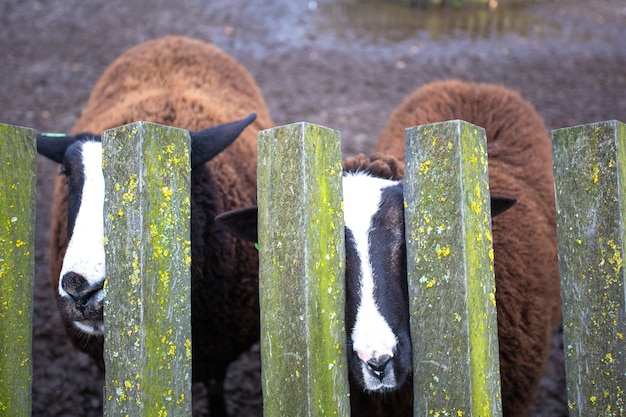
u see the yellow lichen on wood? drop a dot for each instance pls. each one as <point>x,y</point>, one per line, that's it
<point>450,268</point>
<point>147,172</point>
<point>590,184</point>
<point>301,255</point>
<point>18,168</point>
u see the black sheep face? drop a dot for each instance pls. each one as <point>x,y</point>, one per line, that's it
<point>81,281</point>
<point>377,322</point>
<point>379,347</point>
<point>377,307</point>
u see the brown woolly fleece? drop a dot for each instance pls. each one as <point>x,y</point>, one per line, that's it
<point>377,165</point>
<point>524,237</point>
<point>189,84</point>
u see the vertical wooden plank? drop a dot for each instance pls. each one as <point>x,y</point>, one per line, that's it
<point>18,169</point>
<point>590,184</point>
<point>302,256</point>
<point>450,267</point>
<point>147,312</point>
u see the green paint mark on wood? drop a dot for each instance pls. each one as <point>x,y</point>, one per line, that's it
<point>590,186</point>
<point>302,256</point>
<point>18,168</point>
<point>450,266</point>
<point>147,311</point>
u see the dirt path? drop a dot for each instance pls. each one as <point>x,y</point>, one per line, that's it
<point>344,64</point>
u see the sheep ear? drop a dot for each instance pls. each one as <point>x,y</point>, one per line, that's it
<point>500,204</point>
<point>241,223</point>
<point>207,143</point>
<point>54,145</point>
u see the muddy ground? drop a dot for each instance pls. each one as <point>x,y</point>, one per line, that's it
<point>344,64</point>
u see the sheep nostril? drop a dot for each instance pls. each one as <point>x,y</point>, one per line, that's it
<point>79,289</point>
<point>379,364</point>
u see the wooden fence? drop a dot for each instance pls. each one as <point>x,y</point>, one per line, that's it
<point>302,266</point>
<point>18,170</point>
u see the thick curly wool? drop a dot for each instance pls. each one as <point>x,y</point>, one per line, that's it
<point>524,237</point>
<point>377,165</point>
<point>189,84</point>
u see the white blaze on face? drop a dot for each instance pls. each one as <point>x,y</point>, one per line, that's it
<point>85,250</point>
<point>372,336</point>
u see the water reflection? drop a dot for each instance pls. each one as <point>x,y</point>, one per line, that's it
<point>388,21</point>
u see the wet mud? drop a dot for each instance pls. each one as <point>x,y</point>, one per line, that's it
<point>344,64</point>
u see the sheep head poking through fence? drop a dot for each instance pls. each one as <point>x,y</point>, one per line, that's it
<point>377,315</point>
<point>520,164</point>
<point>379,343</point>
<point>190,84</point>
<point>80,291</point>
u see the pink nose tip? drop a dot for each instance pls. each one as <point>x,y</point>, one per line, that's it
<point>366,357</point>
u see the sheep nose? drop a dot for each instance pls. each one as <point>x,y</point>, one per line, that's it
<point>379,364</point>
<point>83,294</point>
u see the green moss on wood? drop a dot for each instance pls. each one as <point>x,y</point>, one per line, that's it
<point>450,265</point>
<point>301,250</point>
<point>18,168</point>
<point>590,186</point>
<point>148,252</point>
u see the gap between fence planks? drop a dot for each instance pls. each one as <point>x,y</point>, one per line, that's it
<point>590,183</point>
<point>450,270</point>
<point>302,262</point>
<point>18,170</point>
<point>147,311</point>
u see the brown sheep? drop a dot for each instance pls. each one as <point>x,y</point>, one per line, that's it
<point>189,84</point>
<point>527,279</point>
<point>524,238</point>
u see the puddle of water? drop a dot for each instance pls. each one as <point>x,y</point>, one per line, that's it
<point>385,21</point>
<point>389,28</point>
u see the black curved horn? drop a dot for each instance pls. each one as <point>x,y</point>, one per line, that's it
<point>241,223</point>
<point>500,204</point>
<point>207,143</point>
<point>54,145</point>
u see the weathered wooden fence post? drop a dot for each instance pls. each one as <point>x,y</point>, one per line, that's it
<point>18,169</point>
<point>301,250</point>
<point>590,183</point>
<point>148,255</point>
<point>451,277</point>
